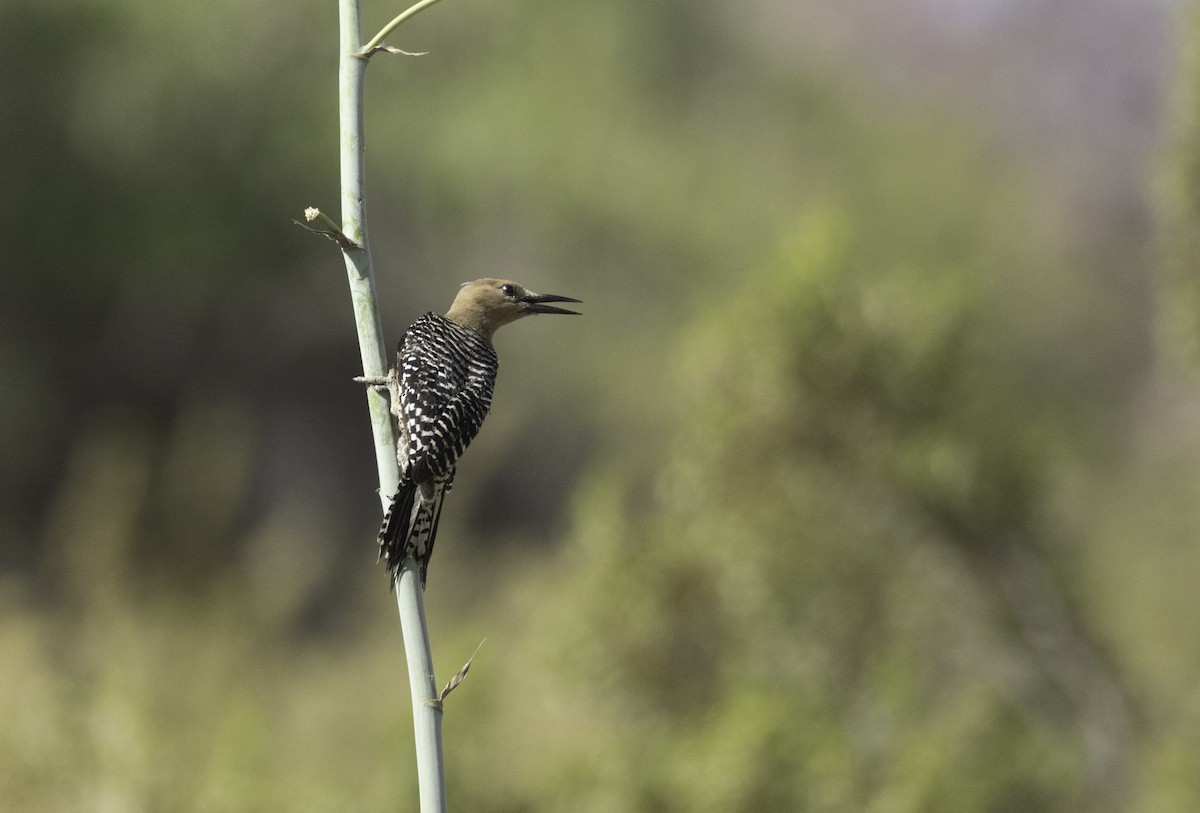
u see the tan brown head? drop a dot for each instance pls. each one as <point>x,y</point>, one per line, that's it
<point>487,304</point>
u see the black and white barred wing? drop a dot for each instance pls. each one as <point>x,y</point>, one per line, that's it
<point>446,377</point>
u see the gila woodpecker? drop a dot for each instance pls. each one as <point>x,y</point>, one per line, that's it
<point>441,390</point>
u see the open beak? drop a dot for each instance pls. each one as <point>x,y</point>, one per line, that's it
<point>537,303</point>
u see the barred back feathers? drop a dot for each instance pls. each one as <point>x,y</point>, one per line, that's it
<point>446,375</point>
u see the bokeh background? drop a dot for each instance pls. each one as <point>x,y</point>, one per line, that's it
<point>868,482</point>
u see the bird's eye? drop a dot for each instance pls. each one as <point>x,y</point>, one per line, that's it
<point>509,290</point>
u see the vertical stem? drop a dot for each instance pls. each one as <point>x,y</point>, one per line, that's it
<point>427,714</point>
<point>351,78</point>
<point>427,711</point>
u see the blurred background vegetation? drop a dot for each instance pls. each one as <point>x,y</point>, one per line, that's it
<point>868,482</point>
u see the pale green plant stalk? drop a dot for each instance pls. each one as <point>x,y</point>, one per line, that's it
<point>378,39</point>
<point>427,709</point>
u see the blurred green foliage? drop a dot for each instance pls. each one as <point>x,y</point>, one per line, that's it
<point>860,487</point>
<point>1179,198</point>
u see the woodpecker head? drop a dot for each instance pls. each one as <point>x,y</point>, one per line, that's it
<point>486,304</point>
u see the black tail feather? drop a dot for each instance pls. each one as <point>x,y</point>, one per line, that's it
<point>433,528</point>
<point>396,528</point>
